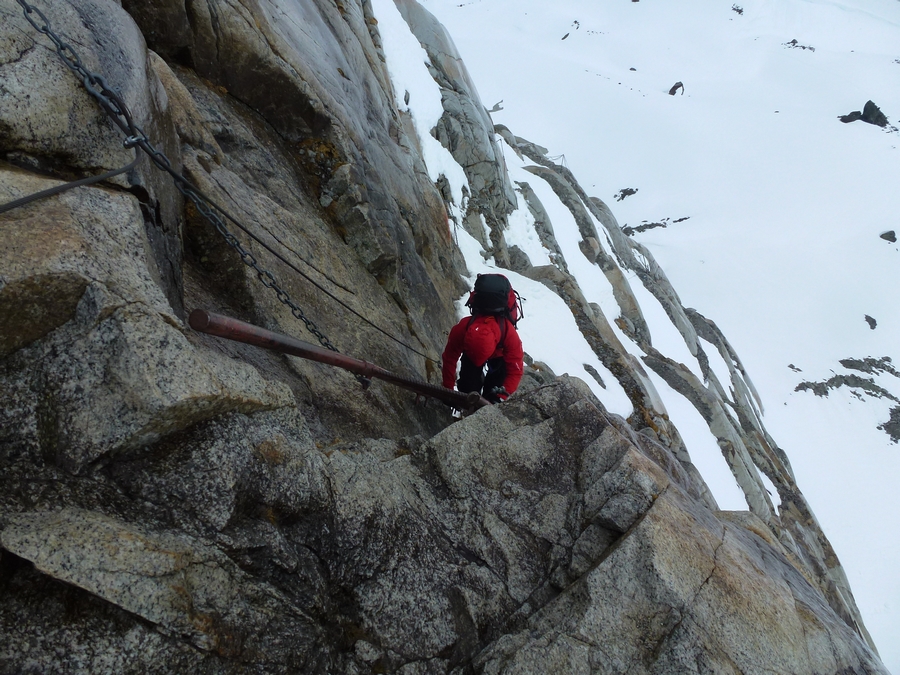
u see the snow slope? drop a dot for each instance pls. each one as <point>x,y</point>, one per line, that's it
<point>780,208</point>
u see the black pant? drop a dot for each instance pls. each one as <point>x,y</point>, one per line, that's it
<point>473,378</point>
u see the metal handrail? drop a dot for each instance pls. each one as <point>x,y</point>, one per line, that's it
<point>241,331</point>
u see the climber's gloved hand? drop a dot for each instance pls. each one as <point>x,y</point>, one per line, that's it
<point>496,395</point>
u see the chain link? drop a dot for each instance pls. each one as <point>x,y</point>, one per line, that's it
<point>118,112</point>
<point>265,276</point>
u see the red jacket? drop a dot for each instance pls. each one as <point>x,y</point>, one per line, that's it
<point>479,338</point>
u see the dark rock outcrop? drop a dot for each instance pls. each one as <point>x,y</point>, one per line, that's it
<point>871,113</point>
<point>864,387</point>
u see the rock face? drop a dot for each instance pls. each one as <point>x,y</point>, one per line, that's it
<point>543,535</point>
<point>174,503</point>
<point>871,113</point>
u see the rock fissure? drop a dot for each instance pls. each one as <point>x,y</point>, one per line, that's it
<point>623,536</point>
<point>800,613</point>
<point>713,570</point>
<point>22,54</point>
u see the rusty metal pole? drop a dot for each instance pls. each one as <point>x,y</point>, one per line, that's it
<point>240,331</point>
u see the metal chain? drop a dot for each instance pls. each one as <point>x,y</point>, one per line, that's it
<point>118,112</point>
<point>265,276</point>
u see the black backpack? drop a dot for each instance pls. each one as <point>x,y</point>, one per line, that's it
<point>494,294</point>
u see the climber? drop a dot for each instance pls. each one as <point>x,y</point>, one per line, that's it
<point>487,338</point>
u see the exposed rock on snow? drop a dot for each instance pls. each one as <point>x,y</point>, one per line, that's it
<point>646,225</point>
<point>595,253</point>
<point>793,44</point>
<point>542,225</point>
<point>871,113</point>
<point>875,387</point>
<point>892,426</point>
<point>465,128</point>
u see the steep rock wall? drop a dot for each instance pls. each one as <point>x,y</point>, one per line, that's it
<point>731,409</point>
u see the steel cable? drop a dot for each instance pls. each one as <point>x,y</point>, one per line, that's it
<point>90,180</point>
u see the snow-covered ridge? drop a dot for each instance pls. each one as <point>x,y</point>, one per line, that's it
<point>666,367</point>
